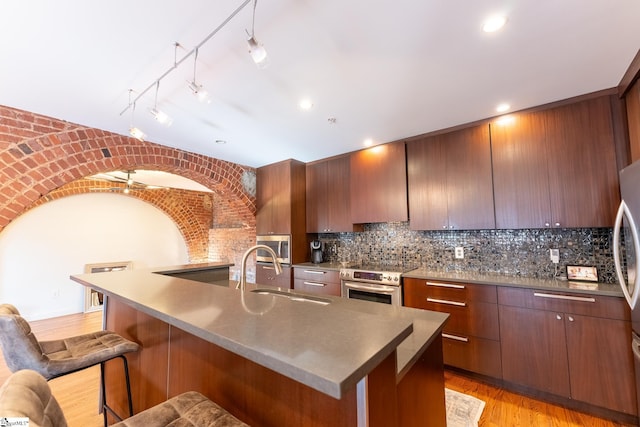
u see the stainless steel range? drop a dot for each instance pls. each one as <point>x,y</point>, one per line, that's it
<point>377,283</point>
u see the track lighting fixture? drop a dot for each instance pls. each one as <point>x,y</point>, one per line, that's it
<point>134,131</point>
<point>198,90</point>
<point>160,116</point>
<point>256,50</point>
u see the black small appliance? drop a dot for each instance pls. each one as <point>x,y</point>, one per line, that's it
<point>316,251</point>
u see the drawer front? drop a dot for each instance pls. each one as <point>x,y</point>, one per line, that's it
<point>316,287</point>
<point>266,275</point>
<point>473,354</point>
<point>316,275</point>
<point>566,302</point>
<point>476,319</point>
<point>451,290</point>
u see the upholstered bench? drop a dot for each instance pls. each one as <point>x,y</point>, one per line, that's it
<point>27,394</point>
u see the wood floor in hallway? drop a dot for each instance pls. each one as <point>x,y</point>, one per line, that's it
<point>78,393</point>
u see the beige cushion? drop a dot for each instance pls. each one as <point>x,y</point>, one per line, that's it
<point>27,394</point>
<point>190,409</point>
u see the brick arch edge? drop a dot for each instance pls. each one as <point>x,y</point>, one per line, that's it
<point>39,154</point>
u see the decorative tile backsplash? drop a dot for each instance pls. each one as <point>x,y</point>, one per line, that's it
<point>522,253</point>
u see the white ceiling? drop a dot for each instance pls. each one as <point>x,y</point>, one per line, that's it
<point>383,69</point>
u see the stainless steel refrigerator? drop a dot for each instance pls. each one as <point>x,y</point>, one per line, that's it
<point>626,249</point>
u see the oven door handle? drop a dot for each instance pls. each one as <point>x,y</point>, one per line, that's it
<point>380,289</point>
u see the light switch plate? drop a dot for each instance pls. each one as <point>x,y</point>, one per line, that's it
<point>554,254</point>
<point>459,252</point>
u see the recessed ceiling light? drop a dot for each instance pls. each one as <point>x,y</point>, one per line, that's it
<point>501,108</point>
<point>306,104</point>
<point>368,142</point>
<point>221,141</point>
<point>494,23</point>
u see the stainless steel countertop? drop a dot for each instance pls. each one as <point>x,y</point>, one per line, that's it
<point>327,347</point>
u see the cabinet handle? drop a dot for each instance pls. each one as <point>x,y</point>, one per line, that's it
<point>558,317</point>
<point>264,267</point>
<point>445,285</point>
<point>444,301</point>
<point>455,337</point>
<point>315,272</point>
<point>565,297</point>
<point>321,285</point>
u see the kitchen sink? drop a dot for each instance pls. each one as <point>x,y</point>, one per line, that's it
<point>293,297</point>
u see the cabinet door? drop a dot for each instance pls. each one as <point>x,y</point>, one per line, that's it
<point>534,349</point>
<point>520,176</point>
<point>273,199</point>
<point>427,184</point>
<point>601,362</point>
<point>379,184</point>
<point>632,100</point>
<point>338,202</point>
<point>583,177</point>
<point>316,191</point>
<point>469,179</point>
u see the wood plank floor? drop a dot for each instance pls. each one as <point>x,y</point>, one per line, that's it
<point>78,393</point>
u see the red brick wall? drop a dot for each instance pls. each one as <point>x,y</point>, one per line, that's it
<point>39,155</point>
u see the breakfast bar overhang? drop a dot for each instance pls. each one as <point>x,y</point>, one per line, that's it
<point>274,358</point>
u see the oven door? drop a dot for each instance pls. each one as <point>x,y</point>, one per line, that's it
<point>372,292</point>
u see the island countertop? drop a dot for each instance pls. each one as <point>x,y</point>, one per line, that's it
<point>327,347</point>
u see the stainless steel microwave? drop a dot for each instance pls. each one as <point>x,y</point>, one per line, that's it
<point>281,245</point>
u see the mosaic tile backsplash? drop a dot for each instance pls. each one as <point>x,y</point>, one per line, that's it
<point>522,253</point>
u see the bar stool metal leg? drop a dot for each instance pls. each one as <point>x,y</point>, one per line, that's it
<point>103,387</point>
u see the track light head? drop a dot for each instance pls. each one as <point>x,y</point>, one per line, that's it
<point>161,117</point>
<point>257,52</point>
<point>137,134</point>
<point>199,92</point>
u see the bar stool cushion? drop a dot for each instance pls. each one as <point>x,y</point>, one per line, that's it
<point>26,394</point>
<point>190,409</point>
<point>52,359</point>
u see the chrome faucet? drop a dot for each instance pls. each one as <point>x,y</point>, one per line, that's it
<point>243,268</point>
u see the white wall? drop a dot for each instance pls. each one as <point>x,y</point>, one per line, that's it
<point>40,249</point>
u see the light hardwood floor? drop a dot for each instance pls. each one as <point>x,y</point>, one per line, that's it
<point>78,393</point>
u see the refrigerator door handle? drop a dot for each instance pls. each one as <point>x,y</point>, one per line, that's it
<point>632,298</point>
<point>635,346</point>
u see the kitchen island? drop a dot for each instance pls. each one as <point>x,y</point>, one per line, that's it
<point>274,360</point>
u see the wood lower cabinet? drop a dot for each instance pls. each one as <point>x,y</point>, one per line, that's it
<point>379,184</point>
<point>571,345</point>
<point>450,181</point>
<point>266,275</point>
<point>471,337</point>
<point>544,163</point>
<point>317,281</point>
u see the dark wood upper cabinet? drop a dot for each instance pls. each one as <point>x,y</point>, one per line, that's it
<point>281,204</point>
<point>632,101</point>
<point>556,168</point>
<point>328,199</point>
<point>450,181</point>
<point>379,184</point>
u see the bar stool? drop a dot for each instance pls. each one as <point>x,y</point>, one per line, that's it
<point>52,359</point>
<point>26,394</point>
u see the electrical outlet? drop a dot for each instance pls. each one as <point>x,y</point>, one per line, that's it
<point>554,254</point>
<point>459,252</point>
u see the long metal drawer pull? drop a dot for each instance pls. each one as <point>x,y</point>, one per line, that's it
<point>444,301</point>
<point>264,267</point>
<point>446,285</point>
<point>567,297</point>
<point>455,337</point>
<point>315,272</point>
<point>322,285</point>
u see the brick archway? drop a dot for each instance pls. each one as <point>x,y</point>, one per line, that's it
<point>39,154</point>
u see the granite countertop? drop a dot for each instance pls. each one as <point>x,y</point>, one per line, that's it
<point>593,288</point>
<point>327,347</point>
